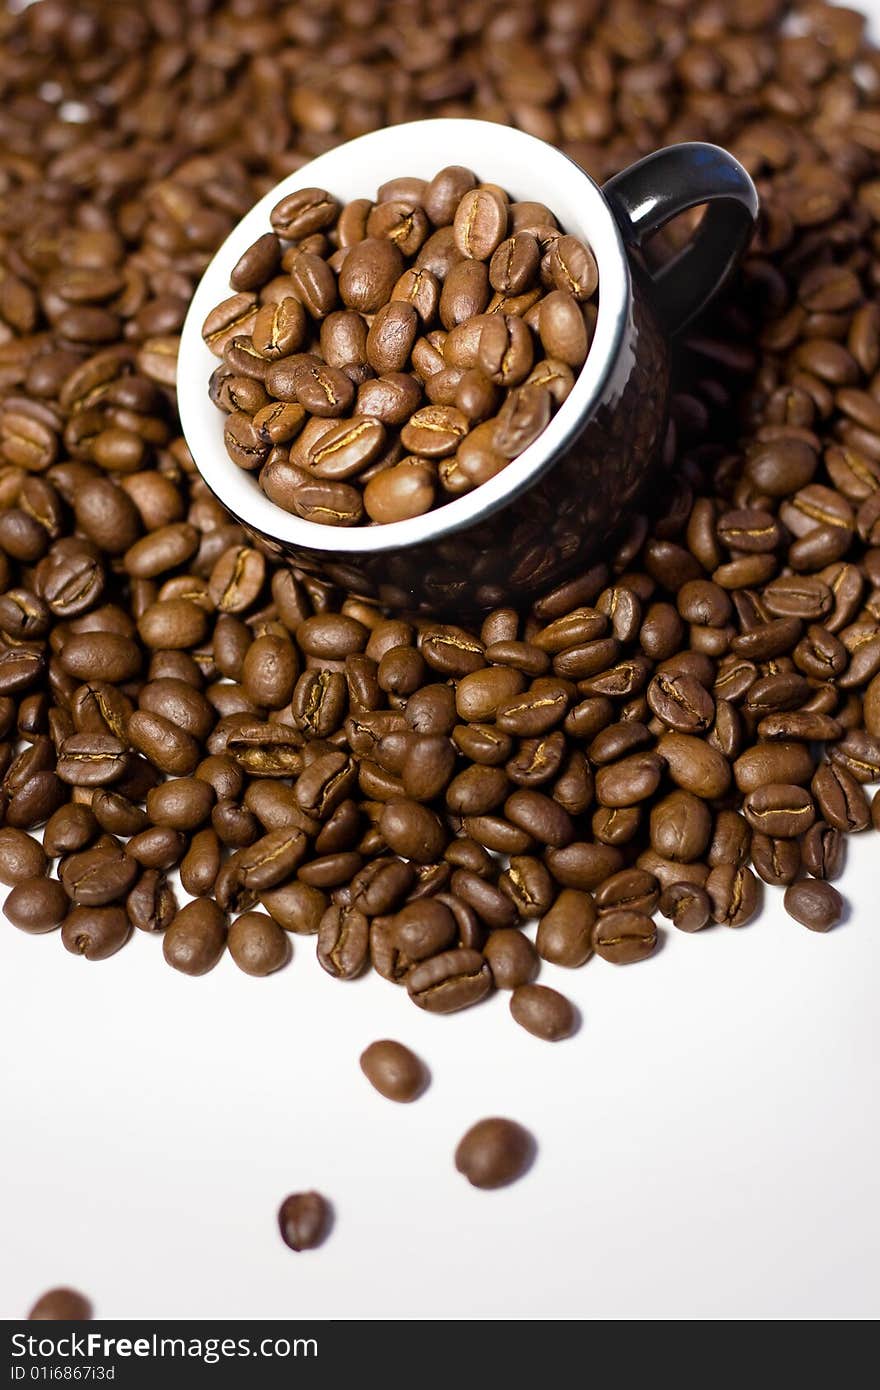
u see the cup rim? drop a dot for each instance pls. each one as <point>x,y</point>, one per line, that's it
<point>201,421</point>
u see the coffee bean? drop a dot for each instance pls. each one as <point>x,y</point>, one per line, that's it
<point>633,890</point>
<point>95,932</point>
<point>822,850</point>
<point>21,856</point>
<point>196,938</point>
<point>304,1219</point>
<point>61,1305</point>
<point>687,906</point>
<point>814,904</point>
<point>629,781</point>
<point>694,766</point>
<point>98,876</point>
<point>512,958</point>
<point>257,944</point>
<point>449,981</point>
<point>544,1012</point>
<point>37,904</point>
<point>541,817</point>
<point>295,906</point>
<point>780,810</point>
<point>343,941</point>
<point>840,798</point>
<point>583,865</point>
<point>623,936</point>
<point>480,223</point>
<point>151,905</point>
<point>733,893</point>
<point>413,831</point>
<point>494,1153</point>
<point>393,1070</point>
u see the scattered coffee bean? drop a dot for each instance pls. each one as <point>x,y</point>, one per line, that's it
<point>542,1011</point>
<point>494,1152</point>
<point>814,904</point>
<point>61,1305</point>
<point>304,1220</point>
<point>395,1071</point>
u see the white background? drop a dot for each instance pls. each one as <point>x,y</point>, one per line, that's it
<point>708,1142</point>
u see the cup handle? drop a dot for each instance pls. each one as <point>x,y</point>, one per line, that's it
<point>648,194</point>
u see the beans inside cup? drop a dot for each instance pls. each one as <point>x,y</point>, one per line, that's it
<point>383,357</point>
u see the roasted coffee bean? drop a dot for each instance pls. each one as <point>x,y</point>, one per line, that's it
<point>72,827</point>
<point>776,861</point>
<point>423,928</point>
<point>583,865</point>
<point>694,766</point>
<point>449,981</point>
<point>773,762</point>
<point>61,1305</point>
<point>37,904</point>
<point>681,825</point>
<point>681,702</point>
<point>542,1011</point>
<point>413,831</point>
<point>840,798</point>
<point>343,941</point>
<point>512,958</point>
<point>295,906</point>
<point>623,936</point>
<point>393,1070</point>
<point>779,810</point>
<point>151,905</point>
<point>21,856</point>
<point>196,938</point>
<point>257,944</point>
<point>494,1153</point>
<point>814,904</point>
<point>381,885</point>
<point>632,890</point>
<point>95,932</point>
<point>686,905</point>
<point>480,223</point>
<point>822,851</point>
<point>528,884</point>
<point>98,876</point>
<point>304,1220</point>
<point>859,752</point>
<point>540,817</point>
<point>734,894</point>
<point>629,781</point>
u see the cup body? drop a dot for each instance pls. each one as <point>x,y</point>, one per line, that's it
<point>552,507</point>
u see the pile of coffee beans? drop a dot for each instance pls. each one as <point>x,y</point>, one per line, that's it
<point>696,715</point>
<point>386,356</point>
<point>698,712</point>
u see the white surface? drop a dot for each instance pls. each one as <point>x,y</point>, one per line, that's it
<point>709,1141</point>
<point>526,168</point>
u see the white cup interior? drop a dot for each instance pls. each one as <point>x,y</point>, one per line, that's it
<point>528,169</point>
